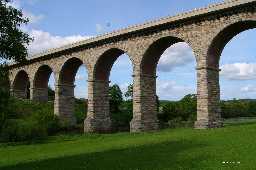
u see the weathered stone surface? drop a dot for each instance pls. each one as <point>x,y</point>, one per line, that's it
<point>206,30</point>
<point>64,103</point>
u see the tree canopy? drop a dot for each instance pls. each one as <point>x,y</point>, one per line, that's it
<point>13,41</point>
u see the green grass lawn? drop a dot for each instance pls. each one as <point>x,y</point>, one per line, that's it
<point>168,149</point>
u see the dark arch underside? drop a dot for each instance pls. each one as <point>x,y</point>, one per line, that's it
<point>69,70</point>
<point>220,41</point>
<point>21,85</point>
<point>42,77</point>
<point>154,52</point>
<point>105,63</point>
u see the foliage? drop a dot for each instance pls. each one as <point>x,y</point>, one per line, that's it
<point>27,120</point>
<point>13,40</point>
<point>40,115</point>
<point>15,130</point>
<point>121,111</point>
<point>178,112</point>
<point>4,93</point>
<point>238,108</point>
<point>129,92</point>
<point>80,110</point>
<point>116,98</point>
<point>121,120</point>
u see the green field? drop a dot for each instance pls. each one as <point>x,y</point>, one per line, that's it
<point>167,149</point>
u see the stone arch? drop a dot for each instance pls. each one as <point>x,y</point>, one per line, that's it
<point>223,37</point>
<point>153,53</point>
<point>144,91</point>
<point>69,70</point>
<point>21,85</point>
<point>40,83</point>
<point>98,116</point>
<point>64,90</point>
<point>105,62</point>
<point>208,99</point>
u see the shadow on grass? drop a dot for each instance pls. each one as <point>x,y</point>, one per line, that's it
<point>167,155</point>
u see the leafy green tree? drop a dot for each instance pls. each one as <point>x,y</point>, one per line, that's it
<point>187,107</point>
<point>13,41</point>
<point>184,110</point>
<point>4,94</point>
<point>116,98</point>
<point>129,92</point>
<point>13,46</point>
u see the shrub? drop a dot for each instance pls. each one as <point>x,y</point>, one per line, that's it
<point>178,122</point>
<point>121,119</point>
<point>15,130</point>
<point>80,110</point>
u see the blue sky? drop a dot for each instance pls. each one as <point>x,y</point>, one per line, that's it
<point>58,22</point>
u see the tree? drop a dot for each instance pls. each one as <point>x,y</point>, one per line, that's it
<point>187,107</point>
<point>129,92</point>
<point>13,41</point>
<point>13,46</point>
<point>116,98</point>
<point>4,93</point>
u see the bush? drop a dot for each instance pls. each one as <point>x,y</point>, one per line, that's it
<point>53,126</point>
<point>27,120</point>
<point>178,122</point>
<point>80,110</point>
<point>15,130</point>
<point>121,120</point>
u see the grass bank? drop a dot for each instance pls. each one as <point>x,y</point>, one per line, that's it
<point>167,149</point>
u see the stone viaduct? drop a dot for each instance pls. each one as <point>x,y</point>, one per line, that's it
<point>206,30</point>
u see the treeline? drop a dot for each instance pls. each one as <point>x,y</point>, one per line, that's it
<point>238,108</point>
<point>178,113</point>
<point>184,111</point>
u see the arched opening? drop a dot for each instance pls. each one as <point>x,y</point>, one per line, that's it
<point>112,107</point>
<point>51,88</point>
<point>220,41</point>
<point>121,103</point>
<point>41,88</point>
<point>21,85</point>
<point>232,50</point>
<point>169,67</point>
<point>70,104</point>
<point>105,63</point>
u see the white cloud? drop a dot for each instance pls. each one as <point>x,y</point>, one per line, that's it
<point>32,17</point>
<point>171,90</point>
<point>80,77</point>
<point>178,54</point>
<point>45,40</point>
<point>249,89</point>
<point>239,71</point>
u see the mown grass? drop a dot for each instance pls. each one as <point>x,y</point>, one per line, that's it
<point>167,149</point>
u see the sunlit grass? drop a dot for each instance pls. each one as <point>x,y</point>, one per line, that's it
<point>167,149</point>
